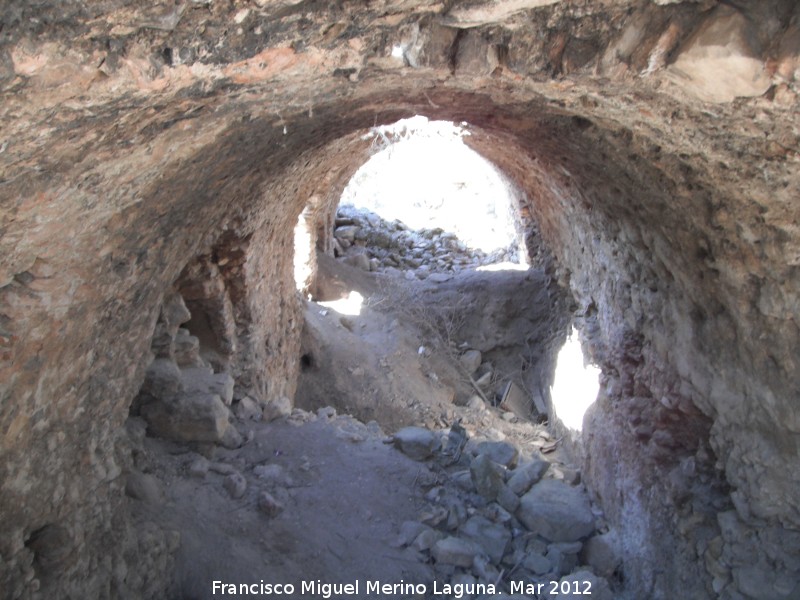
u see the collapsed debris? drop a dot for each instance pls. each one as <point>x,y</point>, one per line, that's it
<point>507,521</point>
<point>365,240</point>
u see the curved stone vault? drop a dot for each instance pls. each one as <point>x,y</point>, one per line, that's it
<point>656,146</point>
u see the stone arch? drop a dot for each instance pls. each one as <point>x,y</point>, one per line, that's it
<point>671,217</point>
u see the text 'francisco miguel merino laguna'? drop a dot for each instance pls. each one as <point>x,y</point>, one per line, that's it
<point>318,589</point>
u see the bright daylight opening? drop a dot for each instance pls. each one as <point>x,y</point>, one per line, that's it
<point>432,195</point>
<point>302,251</point>
<point>349,305</point>
<point>426,177</point>
<point>575,385</point>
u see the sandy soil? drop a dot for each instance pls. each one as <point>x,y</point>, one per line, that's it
<point>396,361</point>
<point>348,493</point>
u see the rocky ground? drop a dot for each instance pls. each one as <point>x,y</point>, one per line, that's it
<point>367,241</point>
<point>326,497</point>
<point>440,474</point>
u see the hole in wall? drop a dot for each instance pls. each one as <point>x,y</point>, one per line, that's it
<point>423,201</point>
<point>416,230</point>
<point>306,362</point>
<point>52,546</point>
<point>209,298</point>
<point>424,176</point>
<point>575,385</point>
<point>200,327</point>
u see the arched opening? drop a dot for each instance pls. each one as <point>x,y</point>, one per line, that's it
<point>424,202</point>
<point>426,209</point>
<point>423,396</point>
<point>670,232</point>
<point>423,177</point>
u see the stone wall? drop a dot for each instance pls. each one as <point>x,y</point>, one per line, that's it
<point>137,139</point>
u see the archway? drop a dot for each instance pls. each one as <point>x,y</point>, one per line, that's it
<point>138,138</point>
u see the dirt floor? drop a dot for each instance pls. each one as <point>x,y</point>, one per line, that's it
<point>338,491</point>
<point>346,495</point>
<point>397,360</point>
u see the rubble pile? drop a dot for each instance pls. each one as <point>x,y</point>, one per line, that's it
<point>503,521</point>
<point>363,239</point>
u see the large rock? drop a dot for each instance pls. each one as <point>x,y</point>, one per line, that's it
<point>416,442</point>
<point>492,537</point>
<point>268,505</point>
<point>278,408</point>
<point>409,531</point>
<point>471,360</point>
<point>235,484</point>
<point>563,556</point>
<point>161,344</point>
<point>247,409</point>
<point>174,312</point>
<point>487,476</point>
<point>601,554</point>
<point>475,402</point>
<point>198,467</point>
<point>556,511</point>
<point>359,261</point>
<point>427,539</point>
<point>721,61</point>
<point>346,232</point>
<point>526,475</point>
<point>144,487</point>
<point>162,380</point>
<point>502,453</point>
<point>508,499</point>
<point>186,349</point>
<point>536,563</point>
<point>192,418</point>
<point>463,479</point>
<point>455,551</point>
<point>205,381</point>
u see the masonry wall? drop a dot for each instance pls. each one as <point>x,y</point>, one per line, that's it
<point>665,183</point>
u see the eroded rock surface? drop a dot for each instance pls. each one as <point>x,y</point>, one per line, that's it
<point>155,148</point>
